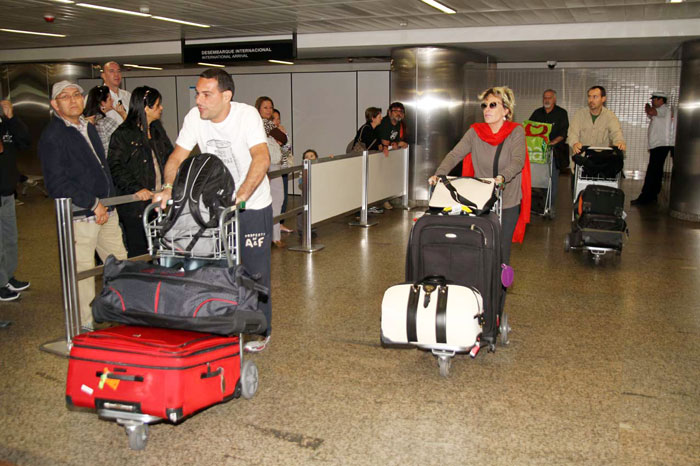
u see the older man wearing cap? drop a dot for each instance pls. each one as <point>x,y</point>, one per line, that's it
<point>74,166</point>
<point>661,141</point>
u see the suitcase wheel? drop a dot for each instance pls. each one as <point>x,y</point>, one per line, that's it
<point>504,329</point>
<point>249,379</point>
<point>444,363</point>
<point>138,435</point>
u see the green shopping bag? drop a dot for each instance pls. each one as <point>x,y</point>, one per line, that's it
<point>537,139</point>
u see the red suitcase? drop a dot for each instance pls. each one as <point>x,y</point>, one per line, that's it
<point>140,375</point>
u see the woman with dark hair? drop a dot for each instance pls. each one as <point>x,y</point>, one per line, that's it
<point>138,151</point>
<point>99,102</point>
<point>275,139</point>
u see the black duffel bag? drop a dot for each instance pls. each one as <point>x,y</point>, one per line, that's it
<point>600,163</point>
<point>210,299</point>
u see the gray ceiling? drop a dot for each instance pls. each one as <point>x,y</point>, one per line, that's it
<point>241,18</point>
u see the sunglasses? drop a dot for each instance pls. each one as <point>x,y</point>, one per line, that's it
<point>491,105</point>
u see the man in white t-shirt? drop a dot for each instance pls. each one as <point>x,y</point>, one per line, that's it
<point>112,77</point>
<point>661,142</point>
<point>234,132</point>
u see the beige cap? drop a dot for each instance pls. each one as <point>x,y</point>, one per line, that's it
<point>61,85</point>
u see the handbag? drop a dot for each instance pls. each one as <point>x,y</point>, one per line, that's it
<point>432,312</point>
<point>478,195</point>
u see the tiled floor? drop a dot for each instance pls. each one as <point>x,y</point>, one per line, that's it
<point>603,365</point>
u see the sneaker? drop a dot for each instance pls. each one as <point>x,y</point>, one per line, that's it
<point>387,205</point>
<point>7,294</point>
<point>375,210</point>
<point>5,323</point>
<point>18,202</point>
<point>256,346</point>
<point>17,285</point>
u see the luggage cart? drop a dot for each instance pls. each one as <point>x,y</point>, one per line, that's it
<point>225,239</point>
<point>445,353</point>
<point>541,176</point>
<point>574,239</point>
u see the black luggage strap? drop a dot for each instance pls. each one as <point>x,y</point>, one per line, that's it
<point>455,195</point>
<point>412,314</point>
<point>496,158</point>
<point>441,316</point>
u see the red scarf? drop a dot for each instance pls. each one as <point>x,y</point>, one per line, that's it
<point>485,134</point>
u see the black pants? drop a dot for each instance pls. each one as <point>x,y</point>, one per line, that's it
<point>254,249</point>
<point>131,220</point>
<point>509,219</point>
<point>655,172</point>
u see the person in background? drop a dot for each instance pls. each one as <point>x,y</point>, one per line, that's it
<point>265,107</point>
<point>139,149</point>
<point>366,133</point>
<point>391,132</point>
<point>551,113</point>
<point>74,166</point>
<point>513,171</point>
<point>99,102</point>
<point>595,125</point>
<point>661,141</point>
<point>14,136</point>
<point>287,161</point>
<point>112,78</point>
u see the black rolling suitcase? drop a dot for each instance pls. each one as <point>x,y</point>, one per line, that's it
<point>601,200</point>
<point>466,250</point>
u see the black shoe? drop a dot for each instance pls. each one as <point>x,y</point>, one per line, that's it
<point>17,285</point>
<point>641,201</point>
<point>7,294</point>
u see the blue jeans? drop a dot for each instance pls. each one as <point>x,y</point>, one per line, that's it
<point>8,238</point>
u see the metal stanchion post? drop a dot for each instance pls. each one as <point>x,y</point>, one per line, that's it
<point>69,278</point>
<point>306,245</point>
<point>365,186</point>
<point>404,198</point>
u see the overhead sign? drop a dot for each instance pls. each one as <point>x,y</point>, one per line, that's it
<point>234,52</point>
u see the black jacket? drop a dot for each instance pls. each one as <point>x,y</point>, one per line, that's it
<point>71,168</point>
<point>15,137</point>
<point>130,159</point>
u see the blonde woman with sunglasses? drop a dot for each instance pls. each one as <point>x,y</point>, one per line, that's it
<point>477,150</point>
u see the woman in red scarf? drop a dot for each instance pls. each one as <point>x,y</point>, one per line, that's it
<point>479,144</point>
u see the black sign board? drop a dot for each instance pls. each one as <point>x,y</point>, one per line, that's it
<point>233,52</point>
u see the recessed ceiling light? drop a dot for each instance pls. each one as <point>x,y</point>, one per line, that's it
<point>282,62</point>
<point>179,21</point>
<point>211,64</point>
<point>675,1</point>
<point>18,31</point>
<point>439,6</point>
<point>143,67</point>
<point>64,1</point>
<point>113,10</point>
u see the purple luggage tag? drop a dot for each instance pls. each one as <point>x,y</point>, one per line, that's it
<point>507,275</point>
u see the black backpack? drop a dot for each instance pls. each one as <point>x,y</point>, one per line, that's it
<point>203,187</point>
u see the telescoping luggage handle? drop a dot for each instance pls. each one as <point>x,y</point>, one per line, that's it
<point>429,284</point>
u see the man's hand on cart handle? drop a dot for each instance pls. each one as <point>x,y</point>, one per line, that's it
<point>164,196</point>
<point>621,146</point>
<point>577,147</point>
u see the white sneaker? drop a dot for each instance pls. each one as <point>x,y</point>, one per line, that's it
<point>256,346</point>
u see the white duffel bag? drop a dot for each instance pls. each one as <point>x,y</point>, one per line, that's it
<point>432,314</point>
<point>478,194</point>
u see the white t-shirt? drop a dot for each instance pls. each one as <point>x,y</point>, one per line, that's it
<point>231,141</point>
<point>661,128</point>
<point>125,97</point>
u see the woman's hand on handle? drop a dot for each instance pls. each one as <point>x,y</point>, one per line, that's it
<point>433,180</point>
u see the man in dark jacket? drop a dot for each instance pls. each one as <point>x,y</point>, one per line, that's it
<point>13,137</point>
<point>75,166</point>
<point>551,113</point>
